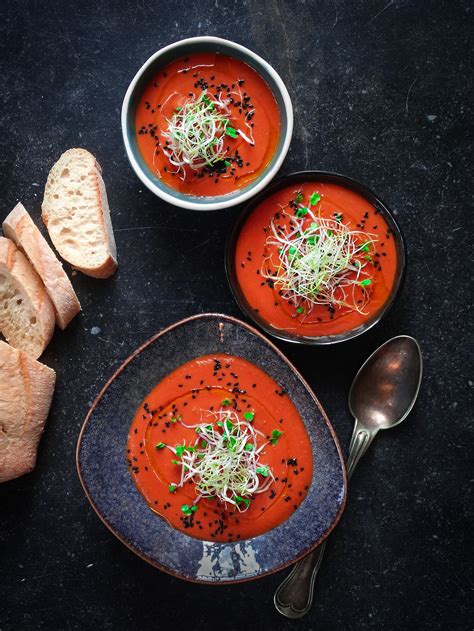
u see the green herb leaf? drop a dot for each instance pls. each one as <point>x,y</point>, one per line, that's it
<point>299,310</point>
<point>365,247</point>
<point>241,500</point>
<point>175,462</point>
<point>364,283</point>
<point>249,447</point>
<point>302,211</point>
<point>314,199</point>
<point>276,433</point>
<point>160,445</point>
<point>203,444</point>
<point>189,510</point>
<point>263,471</point>
<point>230,131</point>
<point>299,197</point>
<point>226,402</point>
<point>172,488</point>
<point>227,163</point>
<point>180,449</point>
<point>249,416</point>
<point>207,101</point>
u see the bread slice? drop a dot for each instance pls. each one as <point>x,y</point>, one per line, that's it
<point>19,227</point>
<point>76,213</point>
<point>26,312</point>
<point>26,390</point>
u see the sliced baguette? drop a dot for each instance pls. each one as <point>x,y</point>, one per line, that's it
<point>19,227</point>
<point>76,213</point>
<point>26,312</point>
<point>26,390</point>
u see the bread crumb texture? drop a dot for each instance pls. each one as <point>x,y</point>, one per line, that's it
<point>26,312</point>
<point>76,212</point>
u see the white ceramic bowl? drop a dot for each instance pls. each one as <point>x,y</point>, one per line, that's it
<point>164,57</point>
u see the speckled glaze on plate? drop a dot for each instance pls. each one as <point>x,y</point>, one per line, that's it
<point>108,485</point>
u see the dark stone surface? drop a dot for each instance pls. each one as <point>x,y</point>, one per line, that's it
<point>381,93</point>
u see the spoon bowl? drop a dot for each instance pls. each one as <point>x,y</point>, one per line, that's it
<point>386,387</point>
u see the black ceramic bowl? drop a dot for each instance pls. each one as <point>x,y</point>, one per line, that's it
<point>315,176</point>
<point>102,466</point>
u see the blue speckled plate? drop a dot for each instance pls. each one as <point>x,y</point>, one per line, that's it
<point>107,483</point>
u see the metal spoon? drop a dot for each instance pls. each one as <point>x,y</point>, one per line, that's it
<point>381,396</point>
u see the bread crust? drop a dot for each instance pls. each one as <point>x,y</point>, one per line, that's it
<point>26,311</point>
<point>26,391</point>
<point>20,228</point>
<point>57,204</point>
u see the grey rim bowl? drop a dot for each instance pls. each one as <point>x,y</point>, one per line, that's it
<point>159,60</point>
<point>316,176</point>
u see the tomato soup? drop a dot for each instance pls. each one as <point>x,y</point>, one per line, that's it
<point>166,430</point>
<point>207,124</point>
<point>316,259</point>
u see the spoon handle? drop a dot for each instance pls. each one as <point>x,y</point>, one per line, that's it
<point>294,596</point>
<point>360,442</point>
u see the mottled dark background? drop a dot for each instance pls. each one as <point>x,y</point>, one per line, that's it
<point>381,93</point>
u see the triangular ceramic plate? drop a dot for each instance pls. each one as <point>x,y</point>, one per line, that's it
<point>106,479</point>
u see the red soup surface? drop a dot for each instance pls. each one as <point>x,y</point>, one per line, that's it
<point>212,102</point>
<point>286,252</point>
<point>191,394</point>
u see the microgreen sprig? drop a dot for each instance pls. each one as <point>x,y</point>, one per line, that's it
<point>321,261</point>
<point>198,132</point>
<point>225,459</point>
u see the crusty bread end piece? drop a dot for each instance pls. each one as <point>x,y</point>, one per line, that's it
<point>76,213</point>
<point>20,228</point>
<point>26,312</point>
<point>26,391</point>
